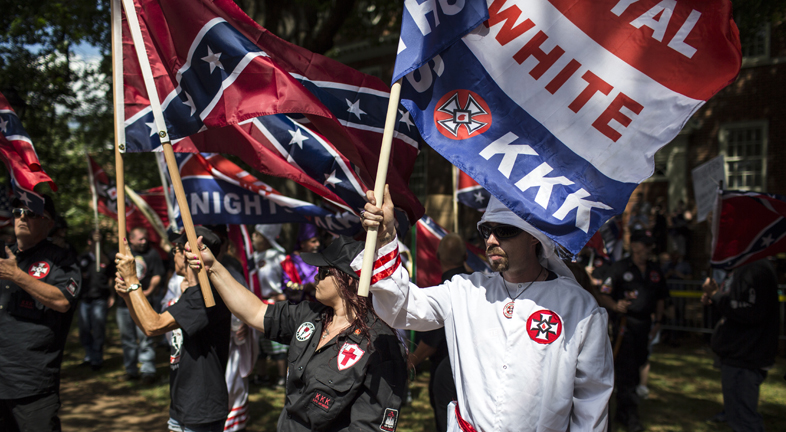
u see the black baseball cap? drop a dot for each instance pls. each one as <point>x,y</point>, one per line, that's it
<point>339,254</point>
<point>209,239</point>
<point>642,236</point>
<point>49,205</point>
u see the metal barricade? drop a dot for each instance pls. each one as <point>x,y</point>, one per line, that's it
<point>686,313</point>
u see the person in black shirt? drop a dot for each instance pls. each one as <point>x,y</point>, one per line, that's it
<point>39,285</point>
<point>746,338</point>
<point>200,341</point>
<point>94,300</point>
<point>347,368</point>
<point>638,290</point>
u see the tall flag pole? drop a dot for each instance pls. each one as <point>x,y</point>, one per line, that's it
<point>169,154</point>
<point>379,187</point>
<point>119,103</point>
<point>91,177</point>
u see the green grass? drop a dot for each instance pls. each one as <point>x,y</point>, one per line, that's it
<point>685,391</point>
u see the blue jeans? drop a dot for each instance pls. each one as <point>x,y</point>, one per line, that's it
<point>176,426</point>
<point>92,329</point>
<point>143,351</point>
<point>741,397</point>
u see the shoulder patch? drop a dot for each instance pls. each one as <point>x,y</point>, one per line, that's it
<point>627,276</point>
<point>305,331</point>
<point>654,276</point>
<point>39,270</point>
<point>71,287</point>
<point>389,420</point>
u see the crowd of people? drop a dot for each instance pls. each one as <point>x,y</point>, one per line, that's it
<point>538,343</point>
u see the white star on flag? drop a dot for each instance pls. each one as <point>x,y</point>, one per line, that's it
<point>332,179</point>
<point>4,125</point>
<point>766,241</point>
<point>189,102</point>
<point>212,58</point>
<point>24,198</point>
<point>479,196</point>
<point>405,119</point>
<point>297,138</point>
<point>152,126</point>
<point>354,108</point>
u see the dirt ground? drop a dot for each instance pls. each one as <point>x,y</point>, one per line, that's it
<point>102,401</point>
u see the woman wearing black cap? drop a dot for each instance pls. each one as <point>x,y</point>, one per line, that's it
<point>347,368</point>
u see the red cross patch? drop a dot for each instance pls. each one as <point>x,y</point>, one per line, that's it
<point>39,270</point>
<point>544,326</point>
<point>349,355</point>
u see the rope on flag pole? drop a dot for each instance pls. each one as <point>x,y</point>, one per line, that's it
<point>379,187</point>
<point>169,153</point>
<point>118,101</point>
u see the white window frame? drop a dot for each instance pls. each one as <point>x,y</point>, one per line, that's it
<point>763,58</point>
<point>763,126</point>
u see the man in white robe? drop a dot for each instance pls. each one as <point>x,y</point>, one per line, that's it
<point>528,346</point>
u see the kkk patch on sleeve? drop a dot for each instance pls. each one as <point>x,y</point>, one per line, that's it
<point>389,420</point>
<point>71,287</point>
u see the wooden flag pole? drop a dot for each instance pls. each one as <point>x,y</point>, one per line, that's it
<point>92,179</point>
<point>379,187</point>
<point>118,101</point>
<point>169,153</point>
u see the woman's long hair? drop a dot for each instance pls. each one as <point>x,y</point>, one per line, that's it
<point>359,305</point>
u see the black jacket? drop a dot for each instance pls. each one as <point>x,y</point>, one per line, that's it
<point>32,336</point>
<point>350,384</point>
<point>747,334</point>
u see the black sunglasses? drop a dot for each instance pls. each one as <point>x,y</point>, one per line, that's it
<point>501,232</point>
<point>18,212</point>
<point>323,273</point>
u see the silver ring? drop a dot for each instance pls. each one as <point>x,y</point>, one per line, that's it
<point>363,214</point>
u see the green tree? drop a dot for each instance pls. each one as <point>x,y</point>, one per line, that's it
<point>319,24</point>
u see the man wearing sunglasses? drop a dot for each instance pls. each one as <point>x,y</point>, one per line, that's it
<point>39,285</point>
<point>529,347</point>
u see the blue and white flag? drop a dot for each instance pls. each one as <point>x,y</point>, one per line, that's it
<point>220,192</point>
<point>430,26</point>
<point>560,117</point>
